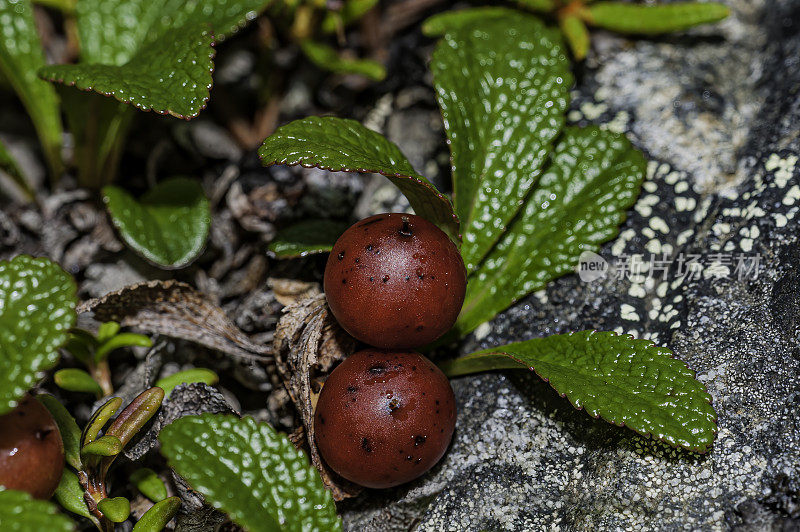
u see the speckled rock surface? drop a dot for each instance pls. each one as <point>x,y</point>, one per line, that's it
<point>718,114</point>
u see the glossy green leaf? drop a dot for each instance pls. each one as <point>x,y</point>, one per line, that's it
<point>99,419</point>
<point>152,54</point>
<point>118,341</point>
<point>329,58</point>
<point>9,165</point>
<point>653,19</point>
<point>579,202</point>
<point>249,471</point>
<point>112,32</point>
<point>67,426</point>
<point>188,376</point>
<point>168,225</point>
<point>37,308</point>
<point>115,509</point>
<point>306,238</point>
<point>339,144</point>
<point>105,445</point>
<point>76,380</point>
<point>147,481</point>
<point>21,56</point>
<point>577,35</point>
<point>621,379</point>
<point>21,513</point>
<point>69,495</point>
<point>156,518</point>
<point>503,86</point>
<point>171,75</point>
<point>449,21</point>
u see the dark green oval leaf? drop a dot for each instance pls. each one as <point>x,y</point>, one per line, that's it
<point>37,308</point>
<point>188,376</point>
<point>340,144</point>
<point>67,426</point>
<point>69,495</point>
<point>306,237</point>
<point>105,445</point>
<point>653,19</point>
<point>621,379</point>
<point>171,75</point>
<point>20,513</point>
<point>157,517</point>
<point>76,380</point>
<point>503,85</point>
<point>99,419</point>
<point>147,481</point>
<point>250,472</point>
<point>578,203</point>
<point>168,225</point>
<point>116,509</point>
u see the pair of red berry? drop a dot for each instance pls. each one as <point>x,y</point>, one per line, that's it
<point>385,416</point>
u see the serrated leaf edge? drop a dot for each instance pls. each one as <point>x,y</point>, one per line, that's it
<point>700,450</point>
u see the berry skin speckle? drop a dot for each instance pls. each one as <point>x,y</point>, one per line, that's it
<point>422,281</point>
<point>393,433</point>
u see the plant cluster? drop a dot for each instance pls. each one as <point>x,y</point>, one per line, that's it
<point>530,194</point>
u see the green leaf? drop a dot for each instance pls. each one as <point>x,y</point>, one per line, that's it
<point>105,445</point>
<point>449,21</point>
<point>9,165</point>
<point>621,379</point>
<point>577,35</point>
<point>250,472</point>
<point>99,420</point>
<point>579,202</point>
<point>121,340</point>
<point>116,509</point>
<point>306,237</point>
<point>188,376</point>
<point>157,517</point>
<point>339,144</point>
<point>152,54</point>
<point>37,308</point>
<point>136,415</point>
<point>329,58</point>
<point>503,85</point>
<point>76,380</point>
<point>70,433</point>
<point>20,513</point>
<point>147,481</point>
<point>171,75</point>
<point>107,331</point>
<point>168,225</point>
<point>351,11</point>
<point>113,31</point>
<point>21,56</point>
<point>653,19</point>
<point>69,495</point>
<point>538,5</point>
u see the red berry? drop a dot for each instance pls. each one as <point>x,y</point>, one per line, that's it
<point>384,418</point>
<point>395,281</point>
<point>31,450</point>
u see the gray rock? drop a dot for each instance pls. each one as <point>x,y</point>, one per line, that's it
<point>719,120</point>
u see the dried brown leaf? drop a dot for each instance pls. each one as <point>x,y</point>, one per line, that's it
<point>290,291</point>
<point>308,342</point>
<point>176,310</point>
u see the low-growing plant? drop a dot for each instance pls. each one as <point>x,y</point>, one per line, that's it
<point>523,216</point>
